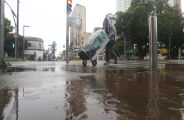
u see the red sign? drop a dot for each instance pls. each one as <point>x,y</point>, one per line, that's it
<point>15,36</point>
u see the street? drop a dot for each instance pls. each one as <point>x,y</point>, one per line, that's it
<point>60,91</point>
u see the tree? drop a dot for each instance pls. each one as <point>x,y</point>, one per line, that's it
<point>7,28</point>
<point>170,25</point>
<point>9,40</point>
<point>133,24</point>
<point>135,28</point>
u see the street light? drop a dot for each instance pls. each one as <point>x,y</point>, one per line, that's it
<point>23,39</point>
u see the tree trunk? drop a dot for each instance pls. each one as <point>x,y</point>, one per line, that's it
<point>142,53</point>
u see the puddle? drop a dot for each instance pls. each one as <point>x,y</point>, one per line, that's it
<point>110,93</point>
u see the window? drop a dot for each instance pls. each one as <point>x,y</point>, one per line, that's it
<point>29,45</point>
<point>40,45</point>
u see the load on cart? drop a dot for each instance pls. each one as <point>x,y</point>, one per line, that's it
<point>97,41</point>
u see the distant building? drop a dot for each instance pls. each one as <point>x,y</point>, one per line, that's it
<point>176,3</point>
<point>85,37</point>
<point>46,55</point>
<point>76,34</point>
<point>123,5</point>
<point>34,48</point>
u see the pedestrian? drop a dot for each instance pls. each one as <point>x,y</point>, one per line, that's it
<point>110,29</point>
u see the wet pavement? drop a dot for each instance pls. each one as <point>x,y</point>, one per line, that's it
<point>57,91</point>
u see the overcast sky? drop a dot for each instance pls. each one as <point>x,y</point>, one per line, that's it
<point>47,18</point>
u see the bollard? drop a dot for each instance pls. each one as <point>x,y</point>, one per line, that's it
<point>153,41</point>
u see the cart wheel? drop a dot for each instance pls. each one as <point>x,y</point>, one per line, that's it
<point>94,62</point>
<point>84,62</point>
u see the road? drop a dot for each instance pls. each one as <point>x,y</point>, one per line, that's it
<point>60,91</point>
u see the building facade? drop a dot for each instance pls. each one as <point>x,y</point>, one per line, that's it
<point>123,5</point>
<point>85,37</point>
<point>176,3</point>
<point>34,48</point>
<point>76,34</point>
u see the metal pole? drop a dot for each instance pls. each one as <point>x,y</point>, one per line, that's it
<point>67,36</point>
<point>1,31</point>
<point>169,45</point>
<point>153,41</point>
<point>179,53</point>
<point>23,43</point>
<point>124,47</point>
<point>17,40</point>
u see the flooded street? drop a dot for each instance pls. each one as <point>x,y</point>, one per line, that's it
<point>57,91</point>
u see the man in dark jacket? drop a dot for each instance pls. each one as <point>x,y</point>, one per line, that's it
<point>110,29</point>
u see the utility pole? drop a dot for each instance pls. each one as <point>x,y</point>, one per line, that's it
<point>1,31</point>
<point>68,12</point>
<point>17,32</point>
<point>67,39</point>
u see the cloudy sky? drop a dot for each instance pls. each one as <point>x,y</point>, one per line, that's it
<point>47,18</point>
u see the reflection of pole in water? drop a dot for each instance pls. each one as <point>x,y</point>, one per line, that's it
<point>17,103</point>
<point>75,100</point>
<point>182,114</point>
<point>153,110</point>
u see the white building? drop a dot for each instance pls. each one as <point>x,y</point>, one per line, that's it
<point>34,48</point>
<point>176,3</point>
<point>123,5</point>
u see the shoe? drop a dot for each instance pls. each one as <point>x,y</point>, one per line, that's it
<point>107,63</point>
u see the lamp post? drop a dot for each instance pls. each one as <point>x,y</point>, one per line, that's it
<point>23,39</point>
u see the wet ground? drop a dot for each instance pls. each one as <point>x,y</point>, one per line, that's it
<point>57,91</point>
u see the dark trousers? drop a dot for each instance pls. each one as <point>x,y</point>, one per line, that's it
<point>109,50</point>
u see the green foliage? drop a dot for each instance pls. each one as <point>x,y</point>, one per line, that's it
<point>9,40</point>
<point>8,45</point>
<point>170,25</point>
<point>133,24</point>
<point>7,28</point>
<point>8,36</point>
<point>12,59</point>
<point>135,27</point>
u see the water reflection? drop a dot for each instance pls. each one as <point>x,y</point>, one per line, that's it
<point>107,93</point>
<point>75,100</point>
<point>9,105</point>
<point>107,90</point>
<point>122,94</point>
<point>153,112</point>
